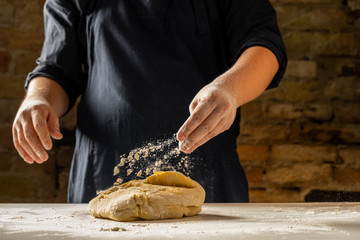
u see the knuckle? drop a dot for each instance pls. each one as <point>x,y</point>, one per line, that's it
<point>225,106</point>
<point>197,117</point>
<point>206,127</point>
<point>36,108</point>
<point>28,135</point>
<point>189,139</point>
<point>21,140</point>
<point>38,124</point>
<point>214,95</point>
<point>23,114</point>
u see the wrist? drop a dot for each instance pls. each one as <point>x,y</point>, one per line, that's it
<point>49,92</point>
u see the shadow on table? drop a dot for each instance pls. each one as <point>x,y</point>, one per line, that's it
<point>196,218</point>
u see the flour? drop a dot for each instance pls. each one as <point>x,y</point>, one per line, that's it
<point>217,221</point>
<point>159,155</point>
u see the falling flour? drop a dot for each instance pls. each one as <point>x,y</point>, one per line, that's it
<point>160,155</point>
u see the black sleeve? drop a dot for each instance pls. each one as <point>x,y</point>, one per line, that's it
<point>61,57</point>
<point>250,23</point>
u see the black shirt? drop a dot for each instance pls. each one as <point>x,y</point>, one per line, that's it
<point>137,64</point>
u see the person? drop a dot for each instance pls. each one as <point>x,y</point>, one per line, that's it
<point>140,66</point>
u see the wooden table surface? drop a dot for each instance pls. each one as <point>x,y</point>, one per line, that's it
<point>216,221</point>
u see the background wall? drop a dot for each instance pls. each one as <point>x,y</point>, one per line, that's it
<point>299,142</point>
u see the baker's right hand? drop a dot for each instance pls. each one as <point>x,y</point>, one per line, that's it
<point>34,126</point>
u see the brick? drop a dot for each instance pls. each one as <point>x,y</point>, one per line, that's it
<point>334,67</point>
<point>327,2</point>
<point>346,113</point>
<point>6,14</point>
<point>8,109</point>
<point>318,112</point>
<point>357,24</point>
<point>333,133</point>
<point>6,142</point>
<point>64,156</point>
<point>344,88</point>
<point>69,120</point>
<point>29,16</point>
<point>18,187</point>
<point>311,17</point>
<point>64,179</point>
<point>46,168</point>
<point>354,5</point>
<point>5,59</point>
<point>274,196</point>
<point>301,69</point>
<point>295,91</point>
<point>299,153</point>
<point>350,156</point>
<point>285,111</point>
<point>253,152</point>
<point>254,174</point>
<point>252,112</point>
<point>300,174</point>
<point>46,188</point>
<point>17,39</point>
<point>60,196</point>
<point>6,161</point>
<point>262,133</point>
<point>25,63</point>
<point>12,87</point>
<point>296,132</point>
<point>347,176</point>
<point>312,44</point>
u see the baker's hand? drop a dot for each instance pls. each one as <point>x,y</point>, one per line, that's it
<point>34,126</point>
<point>212,111</point>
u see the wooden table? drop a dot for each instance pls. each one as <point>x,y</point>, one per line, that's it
<point>216,221</point>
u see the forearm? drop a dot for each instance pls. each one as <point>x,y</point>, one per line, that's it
<point>50,91</point>
<point>250,75</point>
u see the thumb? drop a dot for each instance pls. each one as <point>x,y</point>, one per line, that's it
<point>54,126</point>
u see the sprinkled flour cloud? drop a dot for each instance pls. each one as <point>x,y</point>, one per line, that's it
<point>159,155</point>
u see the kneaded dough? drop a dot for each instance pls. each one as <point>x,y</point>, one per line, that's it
<point>160,196</point>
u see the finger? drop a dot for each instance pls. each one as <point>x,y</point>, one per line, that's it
<point>25,145</point>
<point>40,126</point>
<point>203,129</point>
<point>216,131</point>
<point>20,149</point>
<point>200,113</point>
<point>54,126</point>
<point>193,105</point>
<point>34,142</point>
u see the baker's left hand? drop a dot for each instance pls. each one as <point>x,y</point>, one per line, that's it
<point>212,112</point>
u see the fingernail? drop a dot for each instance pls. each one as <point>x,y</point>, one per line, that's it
<point>180,134</point>
<point>40,155</point>
<point>27,160</point>
<point>180,137</point>
<point>184,145</point>
<point>47,146</point>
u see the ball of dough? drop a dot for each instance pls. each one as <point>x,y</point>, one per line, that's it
<point>160,196</point>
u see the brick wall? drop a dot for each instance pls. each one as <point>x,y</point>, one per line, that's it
<point>299,142</point>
